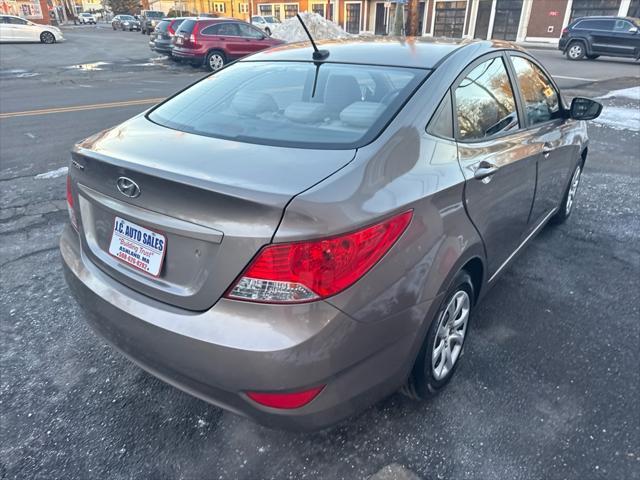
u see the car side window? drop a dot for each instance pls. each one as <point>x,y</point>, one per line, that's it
<point>17,21</point>
<point>248,31</point>
<point>485,103</point>
<point>622,26</point>
<point>541,100</point>
<point>441,124</point>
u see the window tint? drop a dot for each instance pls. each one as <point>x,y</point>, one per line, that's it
<point>275,103</point>
<point>228,29</point>
<point>485,104</point>
<point>248,31</point>
<point>441,124</point>
<point>16,21</point>
<point>595,24</point>
<point>540,98</point>
<point>622,26</point>
<point>186,27</point>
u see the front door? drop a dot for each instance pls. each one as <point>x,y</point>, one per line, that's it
<point>352,17</point>
<point>551,135</point>
<point>496,156</point>
<point>626,38</point>
<point>381,19</point>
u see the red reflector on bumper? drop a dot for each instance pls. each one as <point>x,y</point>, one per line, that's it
<point>285,400</point>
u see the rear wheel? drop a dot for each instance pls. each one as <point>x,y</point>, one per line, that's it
<point>267,31</point>
<point>576,51</point>
<point>215,60</point>
<point>441,351</point>
<point>47,37</point>
<point>569,199</point>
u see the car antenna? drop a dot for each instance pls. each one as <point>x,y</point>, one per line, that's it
<point>318,55</point>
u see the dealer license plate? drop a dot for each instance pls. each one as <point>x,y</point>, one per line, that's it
<point>137,246</point>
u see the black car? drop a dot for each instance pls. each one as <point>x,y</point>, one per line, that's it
<point>149,19</point>
<point>160,38</point>
<point>591,37</point>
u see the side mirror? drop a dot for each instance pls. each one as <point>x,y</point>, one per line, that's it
<point>584,109</point>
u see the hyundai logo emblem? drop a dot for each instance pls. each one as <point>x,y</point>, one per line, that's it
<point>128,187</point>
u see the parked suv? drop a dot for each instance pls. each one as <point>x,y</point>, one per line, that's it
<point>86,17</point>
<point>215,41</point>
<point>149,19</point>
<point>160,38</point>
<point>591,37</point>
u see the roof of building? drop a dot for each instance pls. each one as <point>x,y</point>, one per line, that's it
<point>416,52</point>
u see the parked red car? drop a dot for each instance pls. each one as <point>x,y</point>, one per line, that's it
<point>216,41</point>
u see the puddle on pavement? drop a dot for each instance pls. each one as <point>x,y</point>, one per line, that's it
<point>95,66</point>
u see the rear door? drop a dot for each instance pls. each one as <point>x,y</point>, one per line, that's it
<point>550,133</point>
<point>603,40</point>
<point>497,157</point>
<point>227,37</point>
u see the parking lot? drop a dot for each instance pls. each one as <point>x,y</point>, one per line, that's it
<point>548,388</point>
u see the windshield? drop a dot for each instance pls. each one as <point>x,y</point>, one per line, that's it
<point>126,17</point>
<point>274,103</point>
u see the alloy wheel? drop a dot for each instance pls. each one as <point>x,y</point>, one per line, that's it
<point>575,51</point>
<point>47,37</point>
<point>573,188</point>
<point>216,62</point>
<point>452,328</point>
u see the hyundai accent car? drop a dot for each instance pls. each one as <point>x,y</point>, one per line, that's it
<point>303,233</point>
<point>16,29</point>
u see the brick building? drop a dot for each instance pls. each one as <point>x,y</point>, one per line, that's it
<point>35,10</point>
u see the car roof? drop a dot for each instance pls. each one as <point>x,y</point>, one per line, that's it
<point>415,52</point>
<point>603,17</point>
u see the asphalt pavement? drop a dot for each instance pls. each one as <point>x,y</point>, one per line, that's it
<point>548,388</point>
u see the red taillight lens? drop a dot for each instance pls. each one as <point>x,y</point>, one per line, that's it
<point>306,271</point>
<point>565,31</point>
<point>70,204</point>
<point>285,400</point>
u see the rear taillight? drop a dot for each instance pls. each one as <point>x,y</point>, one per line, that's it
<point>285,400</point>
<point>70,205</point>
<point>192,39</point>
<point>306,271</point>
<point>170,29</point>
<point>565,31</point>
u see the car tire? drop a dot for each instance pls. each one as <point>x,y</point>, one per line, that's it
<point>569,198</point>
<point>267,31</point>
<point>114,27</point>
<point>215,60</point>
<point>448,331</point>
<point>592,57</point>
<point>47,37</point>
<point>576,51</point>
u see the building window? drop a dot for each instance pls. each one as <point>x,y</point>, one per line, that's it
<point>318,8</point>
<point>589,8</point>
<point>449,20</point>
<point>290,10</point>
<point>266,10</point>
<point>218,7</point>
<point>507,19</point>
<point>243,8</point>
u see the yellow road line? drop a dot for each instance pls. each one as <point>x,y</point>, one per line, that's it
<point>80,108</point>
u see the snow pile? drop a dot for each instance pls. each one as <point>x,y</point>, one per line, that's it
<point>320,28</point>
<point>625,116</point>
<point>632,93</point>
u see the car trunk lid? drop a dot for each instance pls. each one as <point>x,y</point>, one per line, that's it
<point>215,202</point>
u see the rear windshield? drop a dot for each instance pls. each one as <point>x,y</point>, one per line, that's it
<point>186,27</point>
<point>163,25</point>
<point>274,103</point>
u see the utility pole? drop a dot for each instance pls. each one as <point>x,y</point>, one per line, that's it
<point>412,20</point>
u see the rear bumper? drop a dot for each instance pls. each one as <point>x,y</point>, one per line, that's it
<point>161,47</point>
<point>235,347</point>
<point>187,54</point>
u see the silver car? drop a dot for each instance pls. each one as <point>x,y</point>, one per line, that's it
<point>299,235</point>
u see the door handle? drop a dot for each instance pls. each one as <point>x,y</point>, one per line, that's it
<point>484,170</point>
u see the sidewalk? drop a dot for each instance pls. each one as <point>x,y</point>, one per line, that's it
<point>538,45</point>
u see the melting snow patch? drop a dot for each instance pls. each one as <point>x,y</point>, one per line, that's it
<point>89,66</point>
<point>53,173</point>
<point>620,118</point>
<point>320,28</point>
<point>632,93</point>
